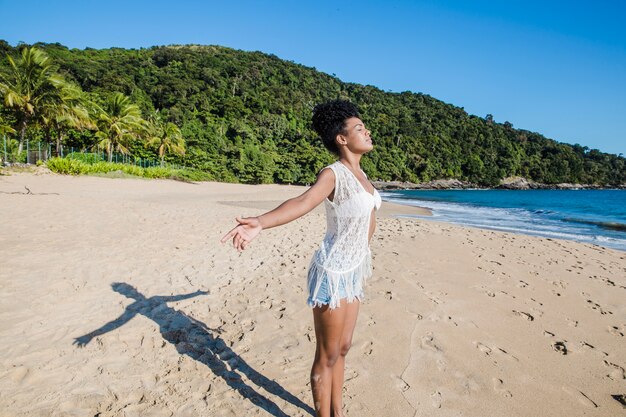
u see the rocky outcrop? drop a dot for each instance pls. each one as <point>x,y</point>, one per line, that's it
<point>447,184</point>
<point>510,183</point>
<point>521,183</point>
<point>570,186</point>
<point>394,185</point>
<point>517,183</point>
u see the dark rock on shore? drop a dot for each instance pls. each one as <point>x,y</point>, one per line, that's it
<point>517,183</point>
<point>446,184</point>
<point>510,183</point>
<point>521,183</point>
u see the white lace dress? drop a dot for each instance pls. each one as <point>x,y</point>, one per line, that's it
<point>343,261</point>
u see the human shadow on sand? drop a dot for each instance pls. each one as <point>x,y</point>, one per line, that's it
<point>194,339</point>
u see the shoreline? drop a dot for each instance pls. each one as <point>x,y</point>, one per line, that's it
<point>388,209</point>
<point>514,183</point>
<point>534,214</point>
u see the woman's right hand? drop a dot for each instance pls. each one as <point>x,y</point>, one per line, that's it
<point>244,233</point>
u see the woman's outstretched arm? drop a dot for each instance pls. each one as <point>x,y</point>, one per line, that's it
<point>250,227</point>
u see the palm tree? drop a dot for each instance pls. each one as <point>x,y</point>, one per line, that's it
<point>31,82</point>
<point>4,126</point>
<point>167,136</point>
<point>118,122</point>
<point>4,129</point>
<point>70,111</point>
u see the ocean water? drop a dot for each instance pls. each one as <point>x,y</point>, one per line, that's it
<point>591,216</point>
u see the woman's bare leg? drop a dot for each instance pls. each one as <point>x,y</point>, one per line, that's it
<point>329,328</point>
<point>352,311</point>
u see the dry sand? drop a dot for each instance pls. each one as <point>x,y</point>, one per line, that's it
<point>118,300</point>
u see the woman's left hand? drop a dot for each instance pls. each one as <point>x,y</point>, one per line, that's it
<point>244,233</point>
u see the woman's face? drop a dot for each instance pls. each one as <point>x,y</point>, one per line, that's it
<point>356,137</point>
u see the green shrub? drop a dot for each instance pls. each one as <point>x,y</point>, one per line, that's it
<point>157,172</point>
<point>67,166</point>
<point>88,158</point>
<point>76,166</point>
<point>191,175</point>
<point>134,170</point>
<point>104,167</point>
<point>108,167</point>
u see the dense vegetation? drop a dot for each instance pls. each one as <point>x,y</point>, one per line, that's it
<point>90,164</point>
<point>244,116</point>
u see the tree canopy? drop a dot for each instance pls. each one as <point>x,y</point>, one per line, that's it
<point>245,116</point>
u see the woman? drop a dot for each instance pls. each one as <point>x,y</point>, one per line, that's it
<point>339,268</point>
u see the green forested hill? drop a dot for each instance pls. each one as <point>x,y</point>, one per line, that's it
<point>245,116</point>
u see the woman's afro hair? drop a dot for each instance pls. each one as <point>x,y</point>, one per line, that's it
<point>329,121</point>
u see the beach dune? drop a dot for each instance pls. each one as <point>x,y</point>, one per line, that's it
<point>118,300</point>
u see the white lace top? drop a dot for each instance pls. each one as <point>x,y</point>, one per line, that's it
<point>344,256</point>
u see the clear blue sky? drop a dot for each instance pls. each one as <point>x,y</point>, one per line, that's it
<point>554,67</point>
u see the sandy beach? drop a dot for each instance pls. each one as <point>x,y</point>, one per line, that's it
<point>119,300</point>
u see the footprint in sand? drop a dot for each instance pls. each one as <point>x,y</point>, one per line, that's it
<point>506,353</point>
<point>586,346</point>
<point>355,408</point>
<point>435,399</point>
<point>595,306</point>
<point>580,397</point>
<point>560,347</point>
<point>524,315</point>
<point>506,293</point>
<point>281,313</point>
<point>434,299</point>
<point>616,372</point>
<point>400,383</point>
<point>428,342</point>
<point>483,348</point>
<point>536,311</point>
<point>447,319</point>
<point>617,331</point>
<point>417,316</point>
<point>350,375</point>
<point>606,280</point>
<point>367,347</point>
<point>498,386</point>
<point>496,352</point>
<point>309,334</point>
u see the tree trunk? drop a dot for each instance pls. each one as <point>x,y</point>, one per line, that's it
<point>20,147</point>
<point>59,143</point>
<point>162,162</point>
